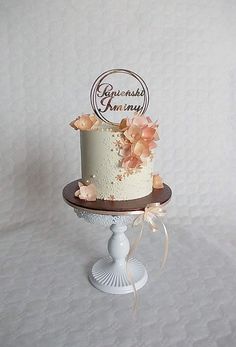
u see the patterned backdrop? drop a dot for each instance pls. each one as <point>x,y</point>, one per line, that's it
<point>52,51</point>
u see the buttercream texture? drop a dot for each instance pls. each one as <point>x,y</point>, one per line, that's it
<point>100,161</point>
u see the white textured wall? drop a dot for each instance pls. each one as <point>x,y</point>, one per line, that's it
<point>51,51</point>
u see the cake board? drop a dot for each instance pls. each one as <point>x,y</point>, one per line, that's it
<point>109,274</point>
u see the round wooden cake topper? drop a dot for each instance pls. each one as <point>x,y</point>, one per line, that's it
<point>117,93</point>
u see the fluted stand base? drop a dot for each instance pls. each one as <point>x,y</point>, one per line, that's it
<point>113,274</point>
<point>107,277</point>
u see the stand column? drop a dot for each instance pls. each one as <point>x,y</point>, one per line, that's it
<point>109,274</point>
<point>118,245</point>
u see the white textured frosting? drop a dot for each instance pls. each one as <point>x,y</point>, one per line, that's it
<point>100,165</point>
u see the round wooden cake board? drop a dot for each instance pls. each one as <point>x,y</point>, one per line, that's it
<point>135,206</point>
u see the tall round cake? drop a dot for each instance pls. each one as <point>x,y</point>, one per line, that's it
<point>116,160</point>
<point>101,165</point>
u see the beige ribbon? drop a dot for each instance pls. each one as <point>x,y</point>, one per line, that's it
<point>149,215</point>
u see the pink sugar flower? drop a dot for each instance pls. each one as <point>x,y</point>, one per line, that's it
<point>133,133</point>
<point>85,122</point>
<point>125,150</point>
<point>148,133</point>
<point>151,144</point>
<point>88,193</point>
<point>131,162</point>
<point>139,121</point>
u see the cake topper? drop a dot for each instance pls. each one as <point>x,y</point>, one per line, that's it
<point>118,92</point>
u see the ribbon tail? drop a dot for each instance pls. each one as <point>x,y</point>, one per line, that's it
<point>154,228</point>
<point>166,246</point>
<point>129,274</point>
<point>150,219</point>
<point>138,220</point>
<point>131,281</point>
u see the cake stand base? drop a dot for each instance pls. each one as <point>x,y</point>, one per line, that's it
<point>114,274</point>
<point>111,277</point>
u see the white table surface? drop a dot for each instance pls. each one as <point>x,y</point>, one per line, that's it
<point>46,299</point>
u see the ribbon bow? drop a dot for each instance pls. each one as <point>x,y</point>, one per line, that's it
<point>151,215</point>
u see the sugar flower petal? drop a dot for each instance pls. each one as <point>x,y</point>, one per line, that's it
<point>124,124</point>
<point>85,122</point>
<point>151,144</point>
<point>141,149</point>
<point>157,182</point>
<point>133,133</point>
<point>148,133</point>
<point>131,162</point>
<point>140,121</point>
<point>88,193</point>
<point>77,193</point>
<point>125,149</point>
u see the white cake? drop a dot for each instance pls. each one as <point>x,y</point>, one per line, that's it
<point>116,160</point>
<point>100,163</point>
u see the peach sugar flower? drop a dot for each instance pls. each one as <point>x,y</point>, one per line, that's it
<point>139,138</point>
<point>85,122</point>
<point>157,182</point>
<point>88,193</point>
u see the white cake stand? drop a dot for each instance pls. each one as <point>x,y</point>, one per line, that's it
<point>110,274</point>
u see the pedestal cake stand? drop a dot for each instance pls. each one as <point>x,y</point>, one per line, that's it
<point>109,274</point>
